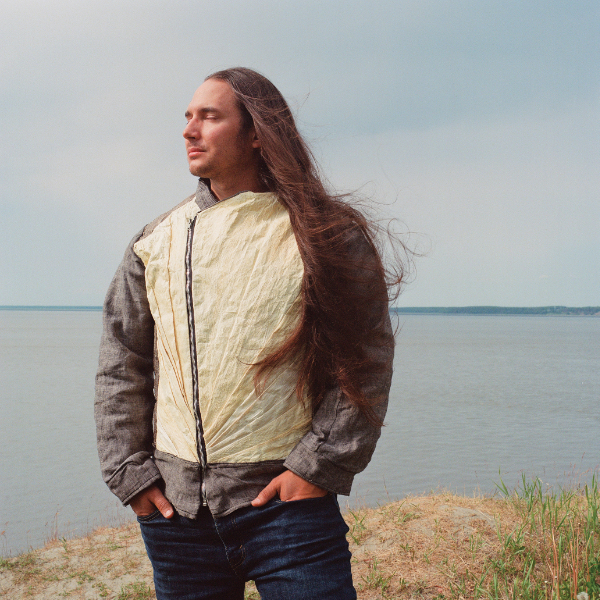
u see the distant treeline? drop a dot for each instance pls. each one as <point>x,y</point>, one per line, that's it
<point>499,310</point>
<point>423,310</point>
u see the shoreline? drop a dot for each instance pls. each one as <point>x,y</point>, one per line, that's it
<point>440,546</point>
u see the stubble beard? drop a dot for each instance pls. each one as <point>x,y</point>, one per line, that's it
<point>199,170</point>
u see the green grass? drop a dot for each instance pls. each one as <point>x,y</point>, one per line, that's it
<point>135,591</point>
<point>376,579</point>
<point>553,553</point>
<point>357,526</point>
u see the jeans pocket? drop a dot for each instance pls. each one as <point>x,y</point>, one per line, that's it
<point>148,518</point>
<point>278,500</point>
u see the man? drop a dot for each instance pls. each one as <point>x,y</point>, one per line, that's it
<point>245,361</point>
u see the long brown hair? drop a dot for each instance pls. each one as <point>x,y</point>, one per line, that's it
<point>345,288</point>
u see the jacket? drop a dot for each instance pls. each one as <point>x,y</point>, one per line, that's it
<point>202,293</point>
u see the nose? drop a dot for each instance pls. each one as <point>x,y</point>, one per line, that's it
<point>190,131</point>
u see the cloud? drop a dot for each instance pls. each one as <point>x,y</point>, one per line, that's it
<point>479,117</point>
<point>501,202</point>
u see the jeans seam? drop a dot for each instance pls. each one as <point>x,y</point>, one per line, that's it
<point>233,566</point>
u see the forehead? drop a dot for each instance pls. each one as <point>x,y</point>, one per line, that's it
<point>214,94</point>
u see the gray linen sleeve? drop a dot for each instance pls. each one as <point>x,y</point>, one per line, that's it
<point>342,440</point>
<point>124,403</point>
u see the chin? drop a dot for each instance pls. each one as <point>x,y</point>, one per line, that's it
<point>197,171</point>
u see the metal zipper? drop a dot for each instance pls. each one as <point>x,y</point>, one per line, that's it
<point>200,445</point>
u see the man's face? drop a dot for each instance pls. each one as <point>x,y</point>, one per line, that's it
<point>217,147</point>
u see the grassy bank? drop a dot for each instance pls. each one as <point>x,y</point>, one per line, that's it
<point>528,544</point>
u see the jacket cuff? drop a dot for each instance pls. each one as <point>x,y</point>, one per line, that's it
<point>134,476</point>
<point>318,470</point>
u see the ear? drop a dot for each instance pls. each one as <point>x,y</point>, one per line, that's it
<point>254,138</point>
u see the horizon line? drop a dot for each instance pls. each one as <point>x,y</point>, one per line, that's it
<point>67,307</point>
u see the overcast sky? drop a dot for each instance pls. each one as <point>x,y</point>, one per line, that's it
<point>475,123</point>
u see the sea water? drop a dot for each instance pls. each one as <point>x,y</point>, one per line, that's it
<point>475,400</point>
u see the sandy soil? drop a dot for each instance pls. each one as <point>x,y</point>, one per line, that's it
<point>416,548</point>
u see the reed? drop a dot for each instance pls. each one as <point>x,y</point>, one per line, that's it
<point>554,552</point>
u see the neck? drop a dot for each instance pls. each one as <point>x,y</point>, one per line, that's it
<point>226,189</point>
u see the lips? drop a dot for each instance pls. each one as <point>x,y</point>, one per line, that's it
<point>194,152</point>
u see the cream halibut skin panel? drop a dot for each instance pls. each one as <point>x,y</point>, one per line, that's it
<point>246,279</point>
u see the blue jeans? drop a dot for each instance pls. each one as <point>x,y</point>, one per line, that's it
<point>291,550</point>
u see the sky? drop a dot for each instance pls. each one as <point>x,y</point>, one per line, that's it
<point>472,125</point>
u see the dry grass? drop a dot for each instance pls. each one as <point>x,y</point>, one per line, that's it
<point>109,563</point>
<point>523,545</point>
<point>424,547</point>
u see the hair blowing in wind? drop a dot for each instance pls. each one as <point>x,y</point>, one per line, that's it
<point>345,292</point>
